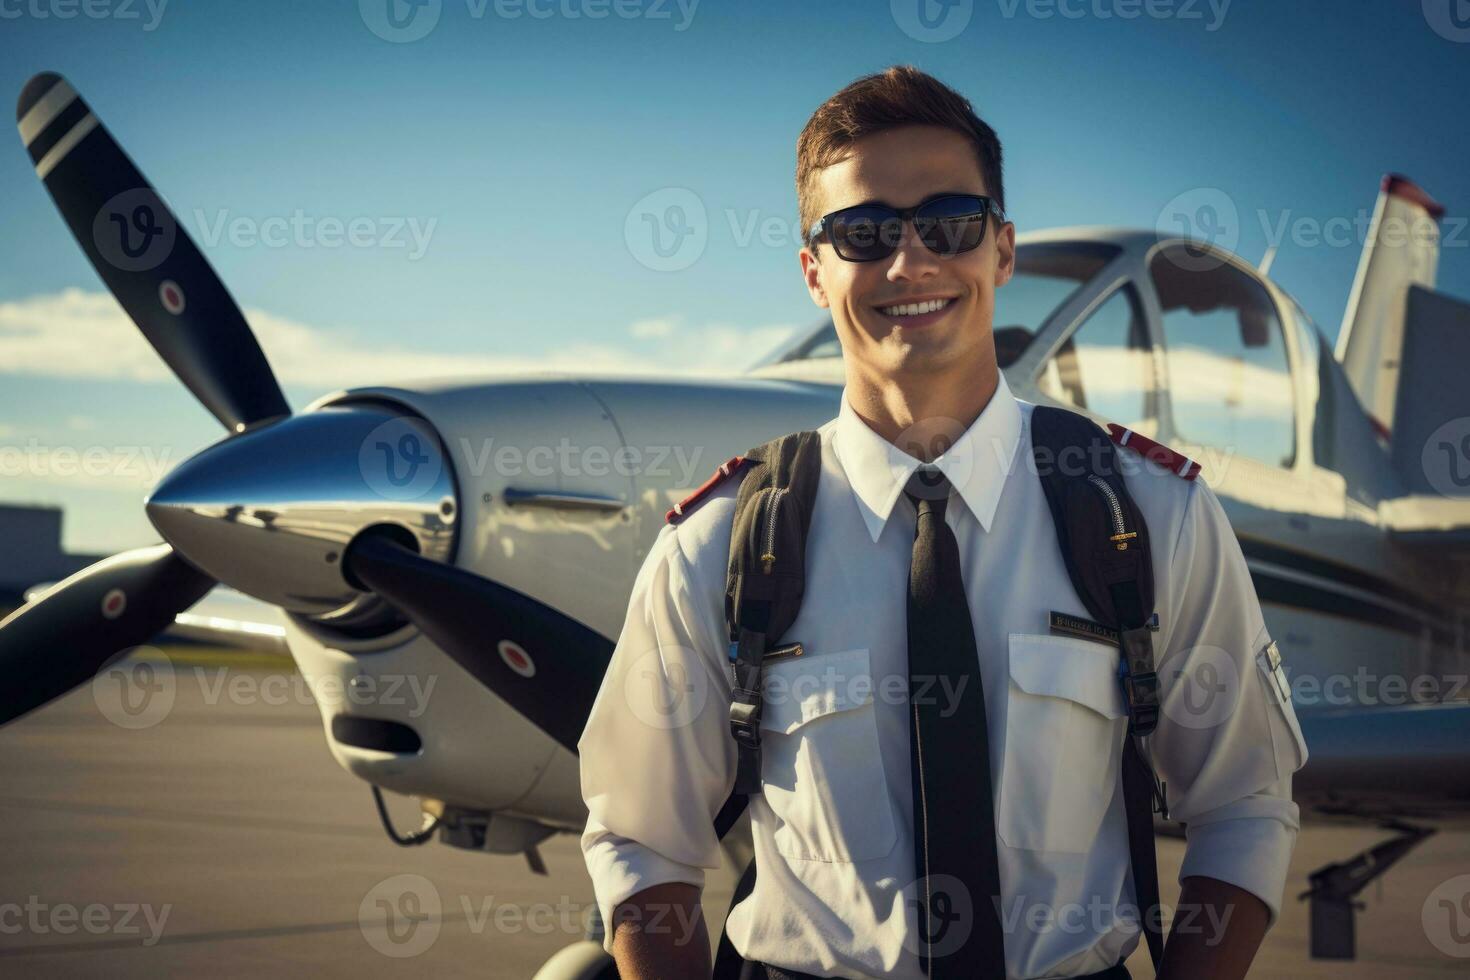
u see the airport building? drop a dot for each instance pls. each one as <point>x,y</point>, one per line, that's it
<point>33,553</point>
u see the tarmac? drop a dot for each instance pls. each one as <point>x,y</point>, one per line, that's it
<point>222,840</point>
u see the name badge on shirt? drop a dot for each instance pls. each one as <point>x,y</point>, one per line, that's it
<point>1065,624</point>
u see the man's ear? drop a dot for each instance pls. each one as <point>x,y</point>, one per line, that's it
<point>1005,247</point>
<point>811,271</point>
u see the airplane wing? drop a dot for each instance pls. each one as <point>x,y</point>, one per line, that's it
<point>223,617</point>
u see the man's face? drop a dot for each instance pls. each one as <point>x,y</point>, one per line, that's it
<point>902,167</point>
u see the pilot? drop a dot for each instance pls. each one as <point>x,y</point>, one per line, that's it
<point>1030,798</point>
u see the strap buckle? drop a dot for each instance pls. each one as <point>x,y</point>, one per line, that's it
<point>1141,692</point>
<point>1140,682</point>
<point>746,702</point>
<point>745,723</point>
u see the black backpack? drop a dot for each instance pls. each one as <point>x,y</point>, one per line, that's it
<point>1104,544</point>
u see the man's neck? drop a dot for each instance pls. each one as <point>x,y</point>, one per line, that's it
<point>891,405</point>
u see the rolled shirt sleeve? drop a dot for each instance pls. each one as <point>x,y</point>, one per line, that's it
<point>1228,739</point>
<point>657,760</point>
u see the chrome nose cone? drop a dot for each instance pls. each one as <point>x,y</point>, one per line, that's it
<point>270,511</point>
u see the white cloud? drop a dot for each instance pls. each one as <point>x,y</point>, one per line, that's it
<point>86,335</point>
<point>654,328</point>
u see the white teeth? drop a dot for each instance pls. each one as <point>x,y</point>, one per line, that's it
<point>914,309</point>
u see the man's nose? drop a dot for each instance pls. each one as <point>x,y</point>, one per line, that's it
<point>912,260</point>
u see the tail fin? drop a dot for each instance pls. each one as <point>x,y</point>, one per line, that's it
<point>1402,250</point>
<point>1431,432</point>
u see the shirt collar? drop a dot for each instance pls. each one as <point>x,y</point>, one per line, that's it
<point>976,465</point>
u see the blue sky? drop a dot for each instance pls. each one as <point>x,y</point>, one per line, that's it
<point>492,166</point>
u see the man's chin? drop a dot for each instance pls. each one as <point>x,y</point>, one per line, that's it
<point>915,357</point>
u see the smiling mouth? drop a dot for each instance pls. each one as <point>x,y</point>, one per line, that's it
<point>916,309</point>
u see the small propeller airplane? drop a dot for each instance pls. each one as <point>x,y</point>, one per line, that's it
<point>382,539</point>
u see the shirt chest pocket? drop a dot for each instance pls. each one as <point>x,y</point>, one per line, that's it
<point>1065,723</point>
<point>820,763</point>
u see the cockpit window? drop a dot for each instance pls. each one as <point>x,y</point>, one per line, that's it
<point>1229,376</point>
<point>1046,277</point>
<point>1106,366</point>
<point>1047,274</point>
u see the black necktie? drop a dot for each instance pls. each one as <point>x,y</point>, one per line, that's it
<point>958,887</point>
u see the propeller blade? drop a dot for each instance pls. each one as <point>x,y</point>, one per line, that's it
<point>541,662</point>
<point>50,645</point>
<point>145,257</point>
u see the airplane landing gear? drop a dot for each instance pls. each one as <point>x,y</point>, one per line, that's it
<point>1333,910</point>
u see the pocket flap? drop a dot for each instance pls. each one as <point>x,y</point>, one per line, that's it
<point>1064,667</point>
<point>800,689</point>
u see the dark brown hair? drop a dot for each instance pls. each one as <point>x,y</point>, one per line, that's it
<point>898,96</point>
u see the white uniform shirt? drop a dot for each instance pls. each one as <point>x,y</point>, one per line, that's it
<point>832,828</point>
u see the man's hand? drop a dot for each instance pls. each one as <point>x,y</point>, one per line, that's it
<point>659,933</point>
<point>1217,930</point>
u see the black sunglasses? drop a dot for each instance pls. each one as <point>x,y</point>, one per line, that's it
<point>948,225</point>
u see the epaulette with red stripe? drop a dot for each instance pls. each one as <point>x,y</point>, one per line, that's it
<point>1177,463</point>
<point>727,469</point>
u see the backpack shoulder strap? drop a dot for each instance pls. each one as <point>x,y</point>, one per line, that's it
<point>765,581</point>
<point>1105,545</point>
<point>1102,534</point>
<point>764,584</point>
